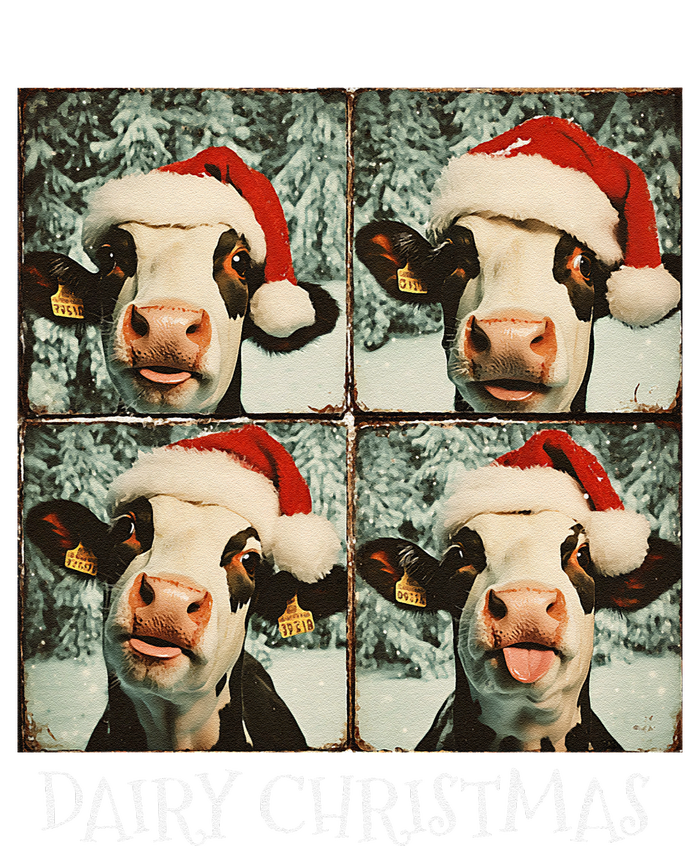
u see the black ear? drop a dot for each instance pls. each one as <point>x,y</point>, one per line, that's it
<point>660,570</point>
<point>78,299</point>
<point>322,598</point>
<point>383,562</point>
<point>674,265</point>
<point>59,526</point>
<point>398,258</point>
<point>327,312</point>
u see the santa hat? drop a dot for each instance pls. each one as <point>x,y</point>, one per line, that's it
<point>551,472</point>
<point>249,472</point>
<point>549,169</point>
<point>214,187</point>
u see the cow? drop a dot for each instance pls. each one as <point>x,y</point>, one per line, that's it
<point>204,532</point>
<point>533,544</point>
<point>533,236</point>
<point>191,259</point>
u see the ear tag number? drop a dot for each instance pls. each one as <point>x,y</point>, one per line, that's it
<point>66,304</point>
<point>81,559</point>
<point>295,620</point>
<point>410,592</point>
<point>409,283</point>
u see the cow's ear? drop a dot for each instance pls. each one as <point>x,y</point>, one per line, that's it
<point>385,563</point>
<point>399,259</point>
<point>59,526</point>
<point>56,287</point>
<point>323,598</point>
<point>326,316</point>
<point>660,570</point>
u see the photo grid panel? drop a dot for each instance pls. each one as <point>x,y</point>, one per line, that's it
<point>350,420</point>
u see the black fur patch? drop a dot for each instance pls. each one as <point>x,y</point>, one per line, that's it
<point>582,294</point>
<point>576,563</point>
<point>233,281</point>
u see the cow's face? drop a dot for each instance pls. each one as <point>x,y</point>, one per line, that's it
<point>522,326</point>
<point>173,335</point>
<point>177,617</point>
<point>525,630</point>
<point>518,300</point>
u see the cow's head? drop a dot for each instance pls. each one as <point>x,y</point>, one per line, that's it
<point>525,564</point>
<point>191,259</point>
<point>195,545</point>
<point>530,242</point>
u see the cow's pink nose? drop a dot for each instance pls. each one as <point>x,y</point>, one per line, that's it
<point>167,326</point>
<point>525,613</point>
<point>504,338</point>
<point>171,609</point>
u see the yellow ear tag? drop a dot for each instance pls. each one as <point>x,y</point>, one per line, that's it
<point>81,559</point>
<point>65,304</point>
<point>410,592</point>
<point>295,620</point>
<point>409,283</point>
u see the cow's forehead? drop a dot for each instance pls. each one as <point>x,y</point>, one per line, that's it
<point>175,520</point>
<point>158,240</point>
<point>515,537</point>
<point>496,234</point>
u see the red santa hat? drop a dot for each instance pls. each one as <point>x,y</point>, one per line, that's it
<point>214,187</point>
<point>551,472</point>
<point>249,472</point>
<point>549,169</point>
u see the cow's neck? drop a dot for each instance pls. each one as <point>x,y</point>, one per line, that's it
<point>198,722</point>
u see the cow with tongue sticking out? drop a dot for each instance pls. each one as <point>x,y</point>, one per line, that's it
<point>204,533</point>
<point>533,235</point>
<point>533,544</point>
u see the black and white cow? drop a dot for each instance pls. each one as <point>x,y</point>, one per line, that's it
<point>204,533</point>
<point>192,258</point>
<point>533,544</point>
<point>533,236</point>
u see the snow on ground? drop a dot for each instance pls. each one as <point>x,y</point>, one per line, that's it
<point>638,702</point>
<point>410,374</point>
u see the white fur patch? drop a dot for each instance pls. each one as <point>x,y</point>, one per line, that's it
<point>305,545</point>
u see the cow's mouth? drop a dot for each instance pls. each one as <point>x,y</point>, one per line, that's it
<point>514,390</point>
<point>528,662</point>
<point>155,647</point>
<point>165,376</point>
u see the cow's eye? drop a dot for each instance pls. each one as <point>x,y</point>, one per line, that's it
<point>124,529</point>
<point>250,560</point>
<point>580,265</point>
<point>583,557</point>
<point>240,263</point>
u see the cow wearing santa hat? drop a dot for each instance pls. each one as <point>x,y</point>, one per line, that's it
<point>204,533</point>
<point>192,258</point>
<point>532,236</point>
<point>532,544</point>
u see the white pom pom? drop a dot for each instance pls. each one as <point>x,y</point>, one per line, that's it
<point>641,296</point>
<point>618,540</point>
<point>280,308</point>
<point>306,546</point>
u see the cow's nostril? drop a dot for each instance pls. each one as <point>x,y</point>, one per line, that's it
<point>497,607</point>
<point>139,323</point>
<point>193,608</point>
<point>479,339</point>
<point>146,592</point>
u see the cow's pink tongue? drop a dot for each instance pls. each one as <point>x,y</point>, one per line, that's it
<point>508,394</point>
<point>154,651</point>
<point>527,665</point>
<point>165,378</point>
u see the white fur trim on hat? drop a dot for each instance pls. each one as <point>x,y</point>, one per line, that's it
<point>528,187</point>
<point>279,308</point>
<point>305,545</point>
<point>208,477</point>
<point>641,296</point>
<point>162,198</point>
<point>617,538</point>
